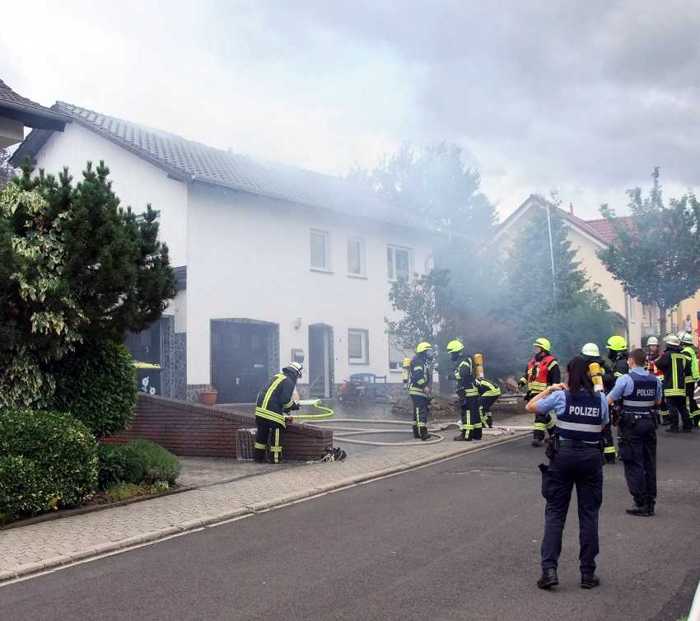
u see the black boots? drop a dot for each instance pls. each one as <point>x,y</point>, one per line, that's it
<point>589,581</point>
<point>645,509</point>
<point>424,435</point>
<point>548,579</point>
<point>416,435</point>
<point>459,437</point>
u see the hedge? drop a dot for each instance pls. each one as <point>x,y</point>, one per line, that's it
<point>139,461</point>
<point>49,461</point>
<point>97,385</point>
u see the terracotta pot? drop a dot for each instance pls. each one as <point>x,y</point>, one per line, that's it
<point>208,397</point>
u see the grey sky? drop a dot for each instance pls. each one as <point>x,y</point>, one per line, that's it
<point>583,97</point>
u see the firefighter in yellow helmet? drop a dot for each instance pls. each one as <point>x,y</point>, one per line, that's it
<point>692,375</point>
<point>420,385</point>
<point>616,367</point>
<point>467,392</point>
<point>542,371</point>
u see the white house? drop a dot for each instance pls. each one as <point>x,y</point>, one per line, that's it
<point>273,262</point>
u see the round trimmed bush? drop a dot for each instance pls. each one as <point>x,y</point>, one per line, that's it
<point>139,461</point>
<point>97,385</point>
<point>57,456</point>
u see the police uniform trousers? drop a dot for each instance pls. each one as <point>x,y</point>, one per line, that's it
<point>268,441</point>
<point>471,418</point>
<point>638,454</point>
<point>421,411</point>
<point>581,467</point>
<point>485,404</point>
<point>678,410</point>
<point>693,411</point>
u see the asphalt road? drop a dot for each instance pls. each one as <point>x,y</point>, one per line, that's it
<point>457,540</point>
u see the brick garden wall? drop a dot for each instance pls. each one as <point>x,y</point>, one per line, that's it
<point>192,429</point>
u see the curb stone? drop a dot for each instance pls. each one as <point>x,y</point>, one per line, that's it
<point>154,536</point>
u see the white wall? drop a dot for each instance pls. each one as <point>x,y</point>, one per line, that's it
<point>135,181</point>
<point>249,258</point>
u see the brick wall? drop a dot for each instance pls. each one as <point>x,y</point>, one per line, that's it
<point>192,429</point>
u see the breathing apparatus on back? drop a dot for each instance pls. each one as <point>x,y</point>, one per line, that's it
<point>591,353</point>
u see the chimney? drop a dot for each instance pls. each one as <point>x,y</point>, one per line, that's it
<point>571,208</point>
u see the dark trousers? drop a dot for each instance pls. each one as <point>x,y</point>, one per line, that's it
<point>609,451</point>
<point>485,404</point>
<point>677,409</point>
<point>543,422</point>
<point>268,441</point>
<point>638,454</point>
<point>693,410</point>
<point>582,467</point>
<point>471,418</point>
<point>421,412</point>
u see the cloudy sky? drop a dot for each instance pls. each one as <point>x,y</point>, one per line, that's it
<point>584,97</point>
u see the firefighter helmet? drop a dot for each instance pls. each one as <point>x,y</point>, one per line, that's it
<point>406,363</point>
<point>590,349</point>
<point>672,340</point>
<point>652,340</point>
<point>295,368</point>
<point>544,344</point>
<point>617,343</point>
<point>455,346</point>
<point>686,338</point>
<point>423,346</point>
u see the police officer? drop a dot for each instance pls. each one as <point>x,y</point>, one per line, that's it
<point>574,459</point>
<point>617,367</point>
<point>467,392</point>
<point>420,388</point>
<point>692,375</point>
<point>274,402</point>
<point>489,392</point>
<point>672,363</point>
<point>640,392</point>
<point>542,371</point>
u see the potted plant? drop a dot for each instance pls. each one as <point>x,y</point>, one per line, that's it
<point>208,396</point>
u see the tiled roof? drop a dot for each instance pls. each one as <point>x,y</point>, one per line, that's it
<point>194,162</point>
<point>605,230</point>
<point>32,114</point>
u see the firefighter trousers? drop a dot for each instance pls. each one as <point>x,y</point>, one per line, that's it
<point>609,450</point>
<point>421,412</point>
<point>268,441</point>
<point>471,418</point>
<point>693,409</point>
<point>485,404</point>
<point>543,422</point>
<point>678,410</point>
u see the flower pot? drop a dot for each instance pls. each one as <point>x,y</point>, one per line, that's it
<point>208,397</point>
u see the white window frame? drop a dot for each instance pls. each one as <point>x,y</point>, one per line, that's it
<point>363,257</point>
<point>327,250</point>
<point>364,336</point>
<point>403,353</point>
<point>391,264</point>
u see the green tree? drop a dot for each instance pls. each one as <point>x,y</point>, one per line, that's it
<point>77,267</point>
<point>566,309</point>
<point>657,256</point>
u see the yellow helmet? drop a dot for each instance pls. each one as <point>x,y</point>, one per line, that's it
<point>617,343</point>
<point>406,363</point>
<point>543,343</point>
<point>423,346</point>
<point>455,346</point>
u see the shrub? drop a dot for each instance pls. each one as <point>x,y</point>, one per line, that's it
<point>49,462</point>
<point>97,385</point>
<point>139,461</point>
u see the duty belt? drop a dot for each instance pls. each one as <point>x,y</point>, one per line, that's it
<point>578,443</point>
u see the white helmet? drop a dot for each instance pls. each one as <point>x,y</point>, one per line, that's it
<point>652,340</point>
<point>294,367</point>
<point>686,338</point>
<point>673,340</point>
<point>590,349</point>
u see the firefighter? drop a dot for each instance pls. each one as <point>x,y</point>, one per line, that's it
<point>640,392</point>
<point>420,388</point>
<point>467,393</point>
<point>617,356</point>
<point>692,376</point>
<point>672,363</point>
<point>274,403</point>
<point>542,371</point>
<point>488,395</point>
<point>652,354</point>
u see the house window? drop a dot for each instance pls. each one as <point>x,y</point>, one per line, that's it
<point>320,259</point>
<point>399,262</point>
<point>358,347</point>
<point>397,354</point>
<point>356,257</point>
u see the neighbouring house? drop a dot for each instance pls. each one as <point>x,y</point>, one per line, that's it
<point>273,263</point>
<point>17,112</point>
<point>587,237</point>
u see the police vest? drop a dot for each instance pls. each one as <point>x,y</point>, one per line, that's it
<point>537,373</point>
<point>674,378</point>
<point>694,370</point>
<point>642,399</point>
<point>582,418</point>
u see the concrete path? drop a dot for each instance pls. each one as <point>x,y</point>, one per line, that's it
<point>32,548</point>
<point>457,540</point>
